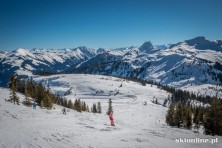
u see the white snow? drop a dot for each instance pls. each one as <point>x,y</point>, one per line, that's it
<point>24,53</point>
<point>205,89</point>
<point>136,125</point>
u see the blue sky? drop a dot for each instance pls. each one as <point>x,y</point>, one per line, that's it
<point>105,23</point>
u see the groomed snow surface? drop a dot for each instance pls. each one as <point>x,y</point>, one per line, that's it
<point>137,125</point>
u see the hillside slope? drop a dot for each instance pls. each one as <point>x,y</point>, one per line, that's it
<point>137,125</point>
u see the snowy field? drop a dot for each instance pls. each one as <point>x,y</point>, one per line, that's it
<point>137,125</point>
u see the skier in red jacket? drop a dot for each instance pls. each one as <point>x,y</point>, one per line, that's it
<point>111,118</point>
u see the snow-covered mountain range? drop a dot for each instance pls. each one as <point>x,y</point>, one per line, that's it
<point>191,62</point>
<point>33,61</point>
<point>177,65</point>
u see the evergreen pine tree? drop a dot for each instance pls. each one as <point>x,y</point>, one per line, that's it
<point>170,115</point>
<point>62,101</point>
<point>184,111</point>
<point>40,95</point>
<point>31,89</point>
<point>77,105</point>
<point>110,108</point>
<point>27,102</point>
<point>47,102</point>
<point>70,104</point>
<point>178,115</point>
<point>79,109</point>
<point>26,94</point>
<point>213,118</point>
<point>196,118</point>
<point>94,108</point>
<point>84,106</point>
<point>201,115</point>
<point>20,85</point>
<point>188,123</point>
<point>65,102</point>
<point>13,96</point>
<point>99,108</point>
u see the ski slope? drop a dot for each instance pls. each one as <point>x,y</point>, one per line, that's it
<point>137,125</point>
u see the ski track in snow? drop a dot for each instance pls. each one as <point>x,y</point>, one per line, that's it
<point>136,125</point>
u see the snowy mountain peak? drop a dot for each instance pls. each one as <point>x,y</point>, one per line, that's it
<point>202,43</point>
<point>102,50</point>
<point>147,46</point>
<point>82,47</point>
<point>197,41</point>
<point>24,53</point>
<point>21,51</point>
<point>87,51</point>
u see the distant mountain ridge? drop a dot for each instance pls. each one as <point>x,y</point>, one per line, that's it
<point>203,44</point>
<point>146,47</point>
<point>185,63</point>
